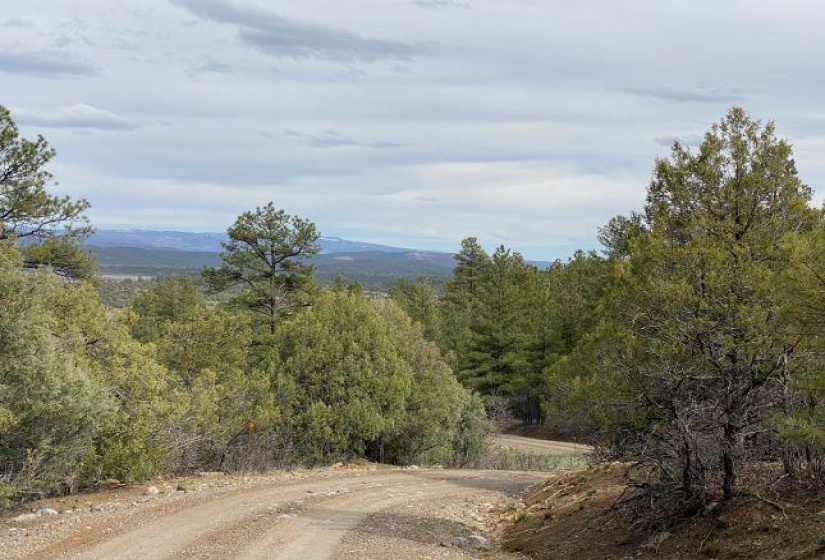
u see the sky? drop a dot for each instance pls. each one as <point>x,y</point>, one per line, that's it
<point>413,123</point>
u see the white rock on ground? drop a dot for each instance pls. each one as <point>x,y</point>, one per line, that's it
<point>478,540</point>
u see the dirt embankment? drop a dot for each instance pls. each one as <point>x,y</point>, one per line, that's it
<point>570,517</point>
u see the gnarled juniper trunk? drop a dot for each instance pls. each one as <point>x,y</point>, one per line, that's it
<point>728,463</point>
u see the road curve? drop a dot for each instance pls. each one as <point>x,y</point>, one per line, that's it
<point>304,519</point>
<point>540,446</point>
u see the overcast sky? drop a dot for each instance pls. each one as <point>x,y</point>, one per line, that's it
<point>406,122</point>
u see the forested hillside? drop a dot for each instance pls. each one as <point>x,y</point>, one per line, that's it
<point>691,346</point>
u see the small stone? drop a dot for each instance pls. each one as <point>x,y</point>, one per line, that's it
<point>96,508</point>
<point>478,540</point>
<point>461,542</point>
<point>444,544</point>
<point>661,537</point>
<point>24,517</point>
<point>47,511</point>
<point>152,491</point>
<point>182,488</point>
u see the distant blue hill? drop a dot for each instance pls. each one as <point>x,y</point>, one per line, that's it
<point>157,253</point>
<point>211,242</point>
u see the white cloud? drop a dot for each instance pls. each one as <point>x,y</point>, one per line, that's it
<point>78,116</point>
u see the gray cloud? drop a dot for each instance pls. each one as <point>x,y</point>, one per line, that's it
<point>208,64</point>
<point>282,37</point>
<point>44,64</point>
<point>329,139</point>
<point>79,116</point>
<point>440,4</point>
<point>688,94</point>
<point>18,23</point>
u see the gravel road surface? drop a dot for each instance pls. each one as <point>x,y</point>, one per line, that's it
<point>345,514</point>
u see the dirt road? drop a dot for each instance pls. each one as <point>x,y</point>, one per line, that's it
<point>540,446</point>
<point>399,514</point>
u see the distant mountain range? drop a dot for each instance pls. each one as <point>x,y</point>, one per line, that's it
<point>211,242</point>
<point>157,253</point>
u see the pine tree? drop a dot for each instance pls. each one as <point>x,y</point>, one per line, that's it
<point>460,300</point>
<point>47,227</point>
<point>265,258</point>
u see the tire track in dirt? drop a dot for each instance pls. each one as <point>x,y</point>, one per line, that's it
<point>303,519</point>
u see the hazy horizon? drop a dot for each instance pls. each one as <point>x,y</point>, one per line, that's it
<point>411,123</point>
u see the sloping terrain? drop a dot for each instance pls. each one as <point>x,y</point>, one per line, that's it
<point>572,517</point>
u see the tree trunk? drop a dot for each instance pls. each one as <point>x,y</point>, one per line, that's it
<point>728,466</point>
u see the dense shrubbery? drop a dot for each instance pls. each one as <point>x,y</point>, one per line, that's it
<point>79,399</point>
<point>282,373</point>
<point>172,384</point>
<point>693,344</point>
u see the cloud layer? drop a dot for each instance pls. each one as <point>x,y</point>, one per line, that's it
<point>412,122</point>
<point>284,37</point>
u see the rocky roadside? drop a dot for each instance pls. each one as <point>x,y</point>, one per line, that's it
<point>446,528</point>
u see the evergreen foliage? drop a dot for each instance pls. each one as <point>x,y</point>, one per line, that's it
<point>31,215</point>
<point>693,345</point>
<point>264,257</point>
